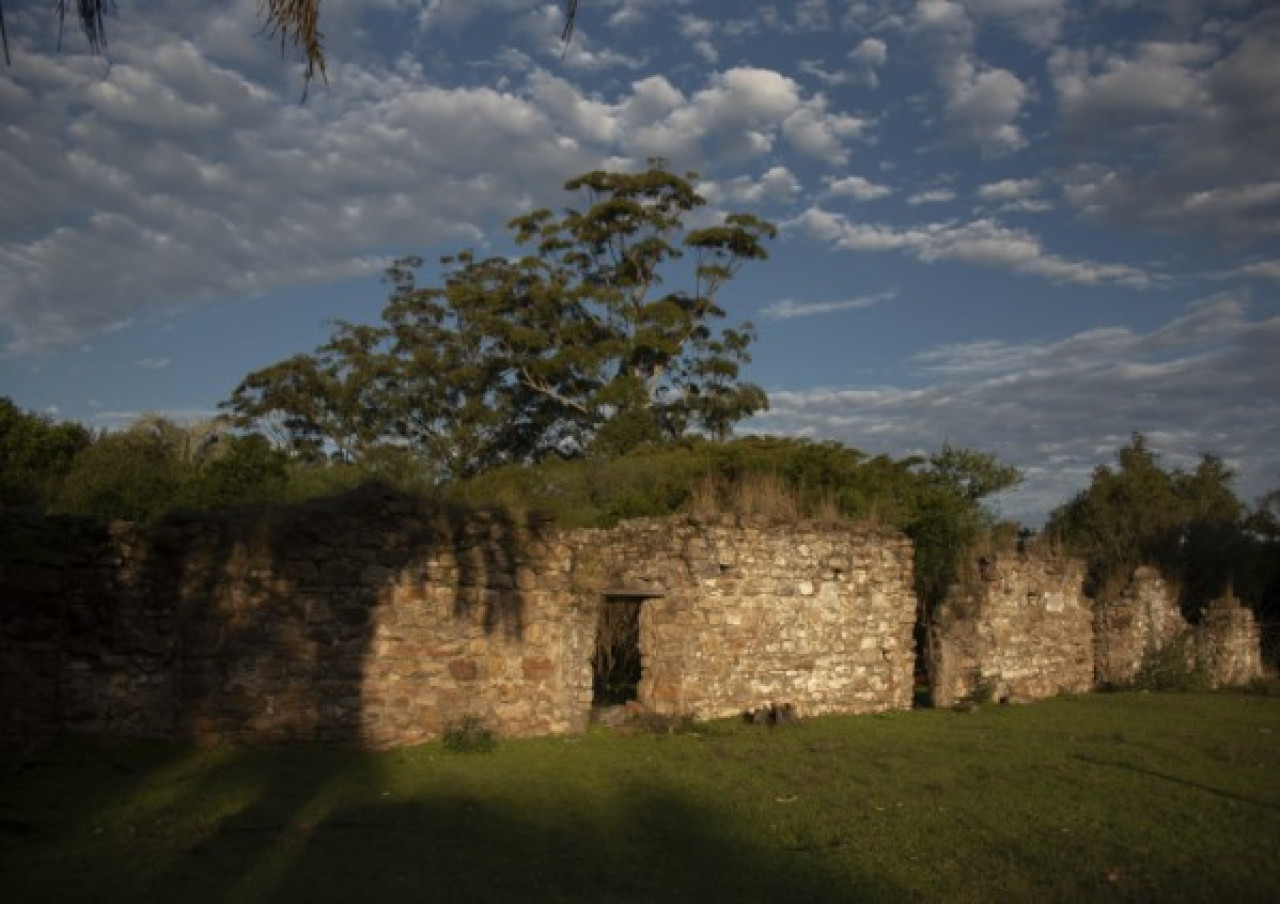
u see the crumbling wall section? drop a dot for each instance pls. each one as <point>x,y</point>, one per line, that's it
<point>1142,620</point>
<point>1229,643</point>
<point>1146,620</point>
<point>1022,629</point>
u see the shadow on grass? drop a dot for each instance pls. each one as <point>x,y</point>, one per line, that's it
<point>654,846</point>
<point>1164,776</point>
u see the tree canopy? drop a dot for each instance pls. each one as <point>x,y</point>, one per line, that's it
<point>605,335</point>
<point>1188,523</point>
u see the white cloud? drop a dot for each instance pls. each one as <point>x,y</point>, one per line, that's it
<point>740,114</point>
<point>790,309</point>
<point>1008,189</point>
<point>870,52</point>
<point>982,106</point>
<point>1014,196</point>
<point>814,131</point>
<point>1201,117</point>
<point>1260,269</point>
<point>984,243</point>
<point>829,78</point>
<point>775,185</point>
<point>857,187</point>
<point>154,363</point>
<point>244,191</point>
<point>698,32</point>
<point>812,15</point>
<point>870,55</point>
<point>1207,380</point>
<point>981,103</point>
<point>544,28</point>
<point>931,196</point>
<point>1038,22</point>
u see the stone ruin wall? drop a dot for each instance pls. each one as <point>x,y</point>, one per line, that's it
<point>1022,629</point>
<point>372,620</point>
<point>1146,618</point>
<point>1228,643</point>
<point>1142,620</point>
<point>378,619</point>
<point>746,613</point>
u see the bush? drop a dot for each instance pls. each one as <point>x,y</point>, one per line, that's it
<point>1173,667</point>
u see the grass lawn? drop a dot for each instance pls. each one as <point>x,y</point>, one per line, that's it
<point>1108,797</point>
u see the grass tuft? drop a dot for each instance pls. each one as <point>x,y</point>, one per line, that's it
<point>469,734</point>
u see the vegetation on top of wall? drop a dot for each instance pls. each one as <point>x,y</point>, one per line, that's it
<point>1190,524</point>
<point>157,466</point>
<point>35,455</point>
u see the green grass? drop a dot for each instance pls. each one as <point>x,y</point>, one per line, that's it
<point>1110,797</point>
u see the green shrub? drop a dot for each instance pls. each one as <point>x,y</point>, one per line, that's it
<point>1173,667</point>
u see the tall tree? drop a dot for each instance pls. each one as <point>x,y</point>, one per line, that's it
<point>573,348</point>
<point>1189,524</point>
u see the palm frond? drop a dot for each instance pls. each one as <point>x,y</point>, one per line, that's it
<point>570,16</point>
<point>90,13</point>
<point>298,22</point>
<point>4,36</point>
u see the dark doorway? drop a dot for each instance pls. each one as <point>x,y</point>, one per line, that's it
<point>616,665</point>
<point>922,674</point>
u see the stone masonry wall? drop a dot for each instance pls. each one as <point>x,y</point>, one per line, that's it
<point>1022,630</point>
<point>372,618</point>
<point>378,619</point>
<point>1146,618</point>
<point>1228,643</point>
<point>750,612</point>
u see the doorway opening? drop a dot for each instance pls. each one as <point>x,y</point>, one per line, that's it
<point>616,664</point>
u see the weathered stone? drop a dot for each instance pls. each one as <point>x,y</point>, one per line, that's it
<point>1027,623</point>
<point>339,621</point>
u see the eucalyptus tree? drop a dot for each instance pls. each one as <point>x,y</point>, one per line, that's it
<point>604,334</point>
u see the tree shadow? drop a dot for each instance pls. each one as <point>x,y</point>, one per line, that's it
<point>655,846</point>
<point>1188,783</point>
<point>282,608</point>
<point>253,626</point>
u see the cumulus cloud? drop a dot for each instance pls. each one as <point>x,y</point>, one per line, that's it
<point>698,32</point>
<point>740,115</point>
<point>931,196</point>
<point>242,191</point>
<point>1038,22</point>
<point>981,103</point>
<point>857,187</point>
<point>1206,380</point>
<point>1179,135</point>
<point>1014,196</point>
<point>1008,189</point>
<point>776,185</point>
<point>983,243</point>
<point>867,58</point>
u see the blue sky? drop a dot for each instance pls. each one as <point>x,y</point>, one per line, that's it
<point>1024,226</point>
